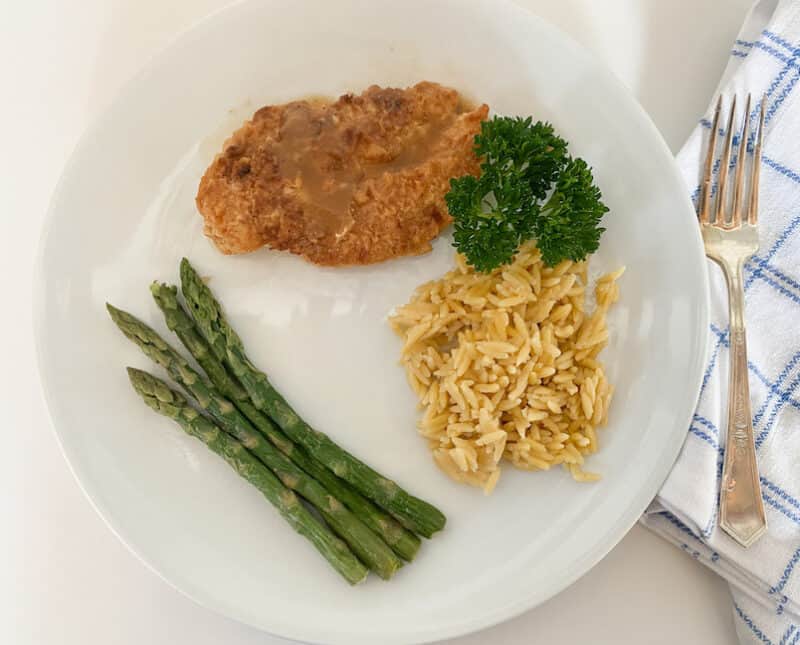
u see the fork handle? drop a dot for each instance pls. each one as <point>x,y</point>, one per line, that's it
<point>741,506</point>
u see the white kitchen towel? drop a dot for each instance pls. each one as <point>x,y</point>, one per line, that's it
<point>764,579</point>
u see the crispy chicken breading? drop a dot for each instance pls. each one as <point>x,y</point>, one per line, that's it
<point>356,181</point>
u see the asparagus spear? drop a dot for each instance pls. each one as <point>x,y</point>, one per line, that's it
<point>402,541</point>
<point>414,513</point>
<point>366,545</point>
<point>163,400</point>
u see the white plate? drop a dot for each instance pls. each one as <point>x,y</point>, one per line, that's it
<point>124,214</point>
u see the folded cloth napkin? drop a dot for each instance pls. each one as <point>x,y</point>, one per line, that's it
<point>764,579</point>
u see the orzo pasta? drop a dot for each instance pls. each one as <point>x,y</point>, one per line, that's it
<point>506,366</point>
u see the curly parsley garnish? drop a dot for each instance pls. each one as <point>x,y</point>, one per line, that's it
<point>508,204</point>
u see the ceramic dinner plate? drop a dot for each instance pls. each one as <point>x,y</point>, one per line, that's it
<point>124,215</point>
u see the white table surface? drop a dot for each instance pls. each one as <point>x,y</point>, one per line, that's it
<point>66,579</point>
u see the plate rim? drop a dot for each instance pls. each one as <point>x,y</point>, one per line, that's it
<point>615,532</point>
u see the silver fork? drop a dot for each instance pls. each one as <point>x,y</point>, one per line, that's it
<point>731,238</point>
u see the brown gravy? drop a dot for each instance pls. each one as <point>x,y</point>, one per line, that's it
<point>327,162</point>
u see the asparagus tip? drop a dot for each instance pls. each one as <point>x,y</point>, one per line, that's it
<point>157,288</point>
<point>139,378</point>
<point>113,311</point>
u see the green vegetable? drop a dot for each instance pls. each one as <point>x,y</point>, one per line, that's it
<point>166,401</point>
<point>368,546</point>
<point>403,542</point>
<point>505,206</point>
<point>412,512</point>
<point>568,225</point>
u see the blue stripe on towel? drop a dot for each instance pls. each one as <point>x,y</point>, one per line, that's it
<point>751,625</point>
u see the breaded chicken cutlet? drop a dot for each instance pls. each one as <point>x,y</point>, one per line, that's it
<point>356,181</point>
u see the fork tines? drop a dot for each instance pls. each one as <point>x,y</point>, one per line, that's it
<point>735,216</point>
